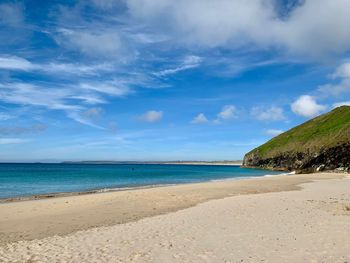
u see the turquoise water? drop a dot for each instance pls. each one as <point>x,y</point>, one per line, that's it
<point>31,179</point>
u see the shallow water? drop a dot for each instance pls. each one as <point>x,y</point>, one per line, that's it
<point>18,180</point>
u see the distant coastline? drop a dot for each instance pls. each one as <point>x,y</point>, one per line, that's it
<point>235,163</point>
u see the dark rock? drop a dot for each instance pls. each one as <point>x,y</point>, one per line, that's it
<point>337,157</point>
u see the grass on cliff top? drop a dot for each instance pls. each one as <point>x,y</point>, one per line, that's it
<point>323,131</point>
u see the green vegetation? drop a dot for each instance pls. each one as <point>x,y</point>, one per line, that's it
<point>327,130</point>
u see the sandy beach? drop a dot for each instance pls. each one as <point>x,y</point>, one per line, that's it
<point>297,218</point>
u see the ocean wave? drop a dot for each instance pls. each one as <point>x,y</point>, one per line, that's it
<point>281,174</point>
<point>250,177</point>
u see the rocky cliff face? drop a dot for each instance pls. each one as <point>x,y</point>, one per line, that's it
<point>319,144</point>
<point>333,158</point>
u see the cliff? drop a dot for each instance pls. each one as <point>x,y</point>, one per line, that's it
<point>322,143</point>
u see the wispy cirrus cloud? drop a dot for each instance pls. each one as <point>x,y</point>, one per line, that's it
<point>84,117</point>
<point>72,99</point>
<point>110,87</point>
<point>189,62</point>
<point>13,63</point>
<point>18,130</point>
<point>34,95</point>
<point>87,116</point>
<point>4,141</point>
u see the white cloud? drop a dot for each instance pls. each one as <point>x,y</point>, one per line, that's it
<point>15,63</point>
<point>77,69</point>
<point>12,141</point>
<point>89,98</point>
<point>343,71</point>
<point>271,114</point>
<point>72,100</point>
<point>273,132</point>
<point>29,94</point>
<point>306,106</point>
<point>18,63</point>
<point>151,116</point>
<point>188,63</point>
<point>200,119</point>
<point>343,103</point>
<point>113,87</point>
<point>228,112</point>
<point>202,22</point>
<point>342,76</point>
<point>233,24</point>
<point>97,43</point>
<point>60,98</point>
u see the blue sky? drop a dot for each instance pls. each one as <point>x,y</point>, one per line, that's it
<point>164,79</point>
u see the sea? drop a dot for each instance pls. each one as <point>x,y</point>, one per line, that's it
<point>31,179</point>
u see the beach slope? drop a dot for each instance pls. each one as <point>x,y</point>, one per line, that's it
<point>257,221</point>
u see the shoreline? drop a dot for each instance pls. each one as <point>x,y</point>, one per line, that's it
<point>78,193</point>
<point>120,189</point>
<point>233,163</point>
<point>33,219</point>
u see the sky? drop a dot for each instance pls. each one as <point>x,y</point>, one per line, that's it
<point>165,80</point>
